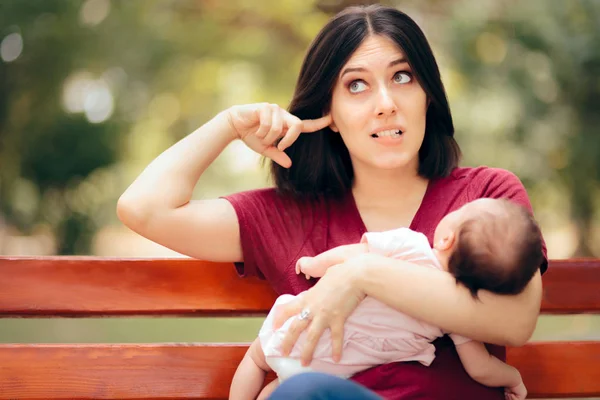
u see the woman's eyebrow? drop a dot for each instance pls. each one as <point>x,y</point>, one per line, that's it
<point>401,60</point>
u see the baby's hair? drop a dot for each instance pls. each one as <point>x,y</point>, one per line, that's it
<point>499,252</point>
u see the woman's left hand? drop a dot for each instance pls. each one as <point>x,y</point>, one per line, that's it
<point>326,305</point>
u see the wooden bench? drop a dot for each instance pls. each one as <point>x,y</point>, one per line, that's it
<point>92,287</point>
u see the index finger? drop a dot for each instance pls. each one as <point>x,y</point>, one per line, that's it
<point>285,312</point>
<point>293,333</point>
<point>313,125</point>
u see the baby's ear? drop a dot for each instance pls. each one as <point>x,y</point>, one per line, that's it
<point>446,242</point>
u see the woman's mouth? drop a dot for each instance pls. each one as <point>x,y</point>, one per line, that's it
<point>389,137</point>
<point>389,133</point>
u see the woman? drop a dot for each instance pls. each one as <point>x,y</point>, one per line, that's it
<point>367,145</point>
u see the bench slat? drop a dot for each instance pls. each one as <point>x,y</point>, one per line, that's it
<point>571,287</point>
<point>558,369</point>
<point>117,371</point>
<point>191,371</point>
<point>88,286</point>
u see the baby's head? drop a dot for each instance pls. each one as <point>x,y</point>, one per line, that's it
<point>490,244</point>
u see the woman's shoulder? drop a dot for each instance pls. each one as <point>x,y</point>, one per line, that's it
<point>272,198</point>
<point>268,194</point>
<point>481,173</point>
<point>482,181</point>
<point>262,200</point>
<point>270,206</point>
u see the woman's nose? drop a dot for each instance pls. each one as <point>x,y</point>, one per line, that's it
<point>385,103</point>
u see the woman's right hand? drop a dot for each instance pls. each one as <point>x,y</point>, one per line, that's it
<point>262,125</point>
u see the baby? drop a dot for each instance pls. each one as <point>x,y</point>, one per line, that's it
<point>490,244</point>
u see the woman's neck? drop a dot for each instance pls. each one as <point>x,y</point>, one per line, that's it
<point>388,188</point>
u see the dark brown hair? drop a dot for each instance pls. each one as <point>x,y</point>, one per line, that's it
<point>320,161</point>
<point>499,253</point>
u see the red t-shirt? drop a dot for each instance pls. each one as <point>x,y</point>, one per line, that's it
<point>275,231</point>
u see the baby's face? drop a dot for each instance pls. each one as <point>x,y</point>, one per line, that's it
<point>453,220</point>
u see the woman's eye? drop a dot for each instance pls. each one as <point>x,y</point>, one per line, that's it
<point>357,86</point>
<point>402,77</point>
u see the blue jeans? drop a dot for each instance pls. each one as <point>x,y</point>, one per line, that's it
<point>319,386</point>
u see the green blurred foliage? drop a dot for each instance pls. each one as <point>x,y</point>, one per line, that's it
<point>542,59</point>
<point>523,80</point>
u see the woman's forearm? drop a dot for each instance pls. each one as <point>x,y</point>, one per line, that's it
<point>169,181</point>
<point>435,297</point>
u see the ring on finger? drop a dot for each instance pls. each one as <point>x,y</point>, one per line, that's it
<point>304,314</point>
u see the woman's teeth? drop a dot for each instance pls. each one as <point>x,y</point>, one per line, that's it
<point>390,133</point>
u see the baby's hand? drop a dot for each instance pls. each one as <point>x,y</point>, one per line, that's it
<point>309,267</point>
<point>518,392</point>
<point>317,266</point>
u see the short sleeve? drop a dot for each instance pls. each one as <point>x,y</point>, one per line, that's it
<point>272,231</point>
<point>247,206</point>
<point>498,183</point>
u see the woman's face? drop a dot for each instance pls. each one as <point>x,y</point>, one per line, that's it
<point>379,107</point>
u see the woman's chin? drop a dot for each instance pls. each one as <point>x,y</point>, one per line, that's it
<point>386,162</point>
<point>394,162</point>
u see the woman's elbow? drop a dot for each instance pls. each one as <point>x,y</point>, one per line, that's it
<point>516,316</point>
<point>506,335</point>
<point>130,213</point>
<point>521,332</point>
<point>517,338</point>
<point>522,327</point>
<point>530,304</point>
<point>513,334</point>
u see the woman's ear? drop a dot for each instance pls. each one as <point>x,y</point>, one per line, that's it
<point>332,125</point>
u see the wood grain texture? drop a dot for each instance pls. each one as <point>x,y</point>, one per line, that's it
<point>108,371</point>
<point>178,371</point>
<point>558,369</point>
<point>572,287</point>
<point>88,286</point>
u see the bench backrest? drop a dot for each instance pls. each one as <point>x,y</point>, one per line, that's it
<point>92,287</point>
